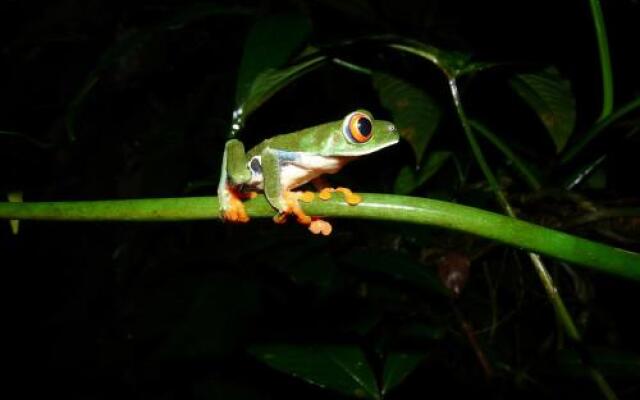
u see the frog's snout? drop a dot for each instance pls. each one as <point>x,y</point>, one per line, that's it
<point>392,130</point>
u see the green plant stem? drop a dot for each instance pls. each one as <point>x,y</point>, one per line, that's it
<point>571,329</point>
<point>599,127</point>
<point>519,165</point>
<point>351,66</point>
<point>552,292</point>
<point>29,139</point>
<point>605,59</point>
<point>406,209</point>
<point>477,152</point>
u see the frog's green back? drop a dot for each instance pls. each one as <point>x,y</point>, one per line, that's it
<point>329,140</point>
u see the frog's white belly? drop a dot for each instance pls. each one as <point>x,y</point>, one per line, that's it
<point>306,168</point>
<point>296,169</point>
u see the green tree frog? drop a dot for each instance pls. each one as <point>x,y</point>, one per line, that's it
<point>282,163</point>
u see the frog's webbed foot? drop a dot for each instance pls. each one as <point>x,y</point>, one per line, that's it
<point>292,206</point>
<point>350,197</point>
<point>319,226</point>
<point>232,207</point>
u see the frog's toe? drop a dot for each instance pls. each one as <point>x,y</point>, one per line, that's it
<point>350,197</point>
<point>307,197</point>
<point>325,194</point>
<point>280,218</point>
<point>236,215</point>
<point>292,206</point>
<point>353,199</point>
<point>235,212</point>
<point>320,227</point>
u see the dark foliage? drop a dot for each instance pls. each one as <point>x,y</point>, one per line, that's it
<point>103,100</point>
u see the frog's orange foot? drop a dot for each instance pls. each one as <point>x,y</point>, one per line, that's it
<point>320,227</point>
<point>280,218</point>
<point>248,195</point>
<point>350,197</point>
<point>236,215</point>
<point>307,197</point>
<point>290,200</point>
<point>234,210</point>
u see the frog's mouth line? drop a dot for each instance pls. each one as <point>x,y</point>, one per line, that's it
<point>363,153</point>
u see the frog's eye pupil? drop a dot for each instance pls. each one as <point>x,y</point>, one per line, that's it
<point>358,127</point>
<point>364,126</point>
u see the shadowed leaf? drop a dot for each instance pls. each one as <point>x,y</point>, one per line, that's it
<point>454,64</point>
<point>397,367</point>
<point>410,179</point>
<point>415,113</point>
<point>341,368</point>
<point>272,80</point>
<point>551,98</point>
<point>270,44</point>
<point>398,266</point>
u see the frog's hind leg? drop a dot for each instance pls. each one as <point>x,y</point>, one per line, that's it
<point>235,163</point>
<point>286,201</point>
<point>233,174</point>
<point>271,165</point>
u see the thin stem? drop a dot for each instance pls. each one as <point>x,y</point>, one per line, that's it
<point>351,66</point>
<point>415,210</point>
<point>519,165</point>
<point>29,139</point>
<point>547,281</point>
<point>605,59</point>
<point>477,152</point>
<point>599,127</point>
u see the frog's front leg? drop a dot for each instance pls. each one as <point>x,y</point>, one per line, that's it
<point>278,193</point>
<point>234,173</point>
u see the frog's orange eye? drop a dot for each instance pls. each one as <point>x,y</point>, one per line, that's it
<point>357,127</point>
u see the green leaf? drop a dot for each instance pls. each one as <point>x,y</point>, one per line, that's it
<point>397,367</point>
<point>415,113</point>
<point>220,310</point>
<point>409,178</point>
<point>341,368</point>
<point>398,266</point>
<point>552,99</point>
<point>271,81</point>
<point>270,44</point>
<point>453,64</point>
